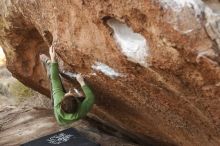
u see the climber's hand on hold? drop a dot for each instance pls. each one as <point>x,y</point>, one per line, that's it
<point>80,79</point>
<point>52,53</point>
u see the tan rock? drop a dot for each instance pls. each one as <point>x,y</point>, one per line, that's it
<point>163,92</point>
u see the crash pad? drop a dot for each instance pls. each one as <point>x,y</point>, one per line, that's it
<point>68,137</point>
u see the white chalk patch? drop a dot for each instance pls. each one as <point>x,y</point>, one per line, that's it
<point>105,69</point>
<point>133,45</point>
<point>187,31</point>
<point>200,55</point>
<point>217,84</point>
<point>93,74</point>
<point>206,54</point>
<point>178,5</point>
<point>210,15</point>
<point>182,31</point>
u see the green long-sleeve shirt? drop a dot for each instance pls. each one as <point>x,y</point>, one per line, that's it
<point>58,93</point>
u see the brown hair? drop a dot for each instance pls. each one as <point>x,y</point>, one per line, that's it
<point>69,104</point>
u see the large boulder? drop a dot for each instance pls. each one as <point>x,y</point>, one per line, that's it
<point>152,64</point>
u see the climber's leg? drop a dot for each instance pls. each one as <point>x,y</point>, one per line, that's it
<point>46,63</point>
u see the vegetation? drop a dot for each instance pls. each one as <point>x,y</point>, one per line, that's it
<point>20,91</point>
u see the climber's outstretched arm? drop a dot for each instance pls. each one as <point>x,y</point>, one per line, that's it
<point>89,97</point>
<point>57,89</point>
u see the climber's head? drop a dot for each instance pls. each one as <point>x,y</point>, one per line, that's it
<point>69,103</point>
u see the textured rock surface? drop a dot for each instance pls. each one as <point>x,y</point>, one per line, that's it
<point>172,97</point>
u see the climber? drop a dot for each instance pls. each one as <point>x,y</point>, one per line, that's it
<point>67,106</point>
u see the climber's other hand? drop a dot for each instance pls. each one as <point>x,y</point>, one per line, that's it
<point>52,53</point>
<point>80,79</point>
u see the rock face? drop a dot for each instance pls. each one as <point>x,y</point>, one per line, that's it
<point>153,64</point>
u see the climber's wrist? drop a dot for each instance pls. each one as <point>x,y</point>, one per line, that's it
<point>53,60</point>
<point>82,83</point>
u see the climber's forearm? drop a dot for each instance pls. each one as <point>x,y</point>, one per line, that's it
<point>88,93</point>
<point>57,89</point>
<point>87,102</point>
<point>54,70</point>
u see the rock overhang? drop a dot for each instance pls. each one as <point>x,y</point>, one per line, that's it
<point>163,84</point>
